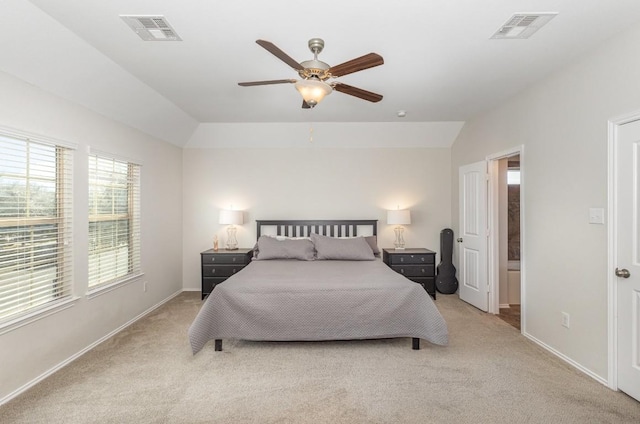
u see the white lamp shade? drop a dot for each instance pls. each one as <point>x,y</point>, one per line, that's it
<point>230,217</point>
<point>313,91</point>
<point>399,217</point>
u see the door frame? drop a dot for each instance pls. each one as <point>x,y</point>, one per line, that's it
<point>494,236</point>
<point>612,228</point>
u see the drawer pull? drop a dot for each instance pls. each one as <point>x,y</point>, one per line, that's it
<point>213,259</point>
<point>234,259</point>
<point>234,270</point>
<point>422,259</point>
<point>423,271</point>
<point>401,270</point>
<point>213,270</point>
<point>401,259</point>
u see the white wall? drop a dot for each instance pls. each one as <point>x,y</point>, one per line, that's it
<point>32,350</point>
<point>562,121</point>
<point>311,182</point>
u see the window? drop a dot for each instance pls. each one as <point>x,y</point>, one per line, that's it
<point>114,221</point>
<point>35,225</point>
<point>513,177</point>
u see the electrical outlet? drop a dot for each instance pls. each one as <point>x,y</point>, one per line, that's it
<point>144,286</point>
<point>565,319</point>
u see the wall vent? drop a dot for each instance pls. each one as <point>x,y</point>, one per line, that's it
<point>523,25</point>
<point>151,28</point>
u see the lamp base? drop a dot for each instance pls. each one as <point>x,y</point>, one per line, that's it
<point>232,242</point>
<point>399,243</point>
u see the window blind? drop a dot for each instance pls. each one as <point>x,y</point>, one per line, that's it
<point>114,220</point>
<point>35,225</point>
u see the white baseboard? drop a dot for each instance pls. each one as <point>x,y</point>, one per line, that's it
<point>568,360</point>
<point>75,356</point>
<point>191,289</point>
<point>504,306</point>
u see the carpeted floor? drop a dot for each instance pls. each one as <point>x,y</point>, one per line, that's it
<point>488,374</point>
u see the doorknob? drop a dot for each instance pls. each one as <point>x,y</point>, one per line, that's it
<point>459,239</point>
<point>622,273</point>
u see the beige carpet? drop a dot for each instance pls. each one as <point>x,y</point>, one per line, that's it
<point>488,374</point>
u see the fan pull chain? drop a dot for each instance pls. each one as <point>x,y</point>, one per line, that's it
<point>311,133</point>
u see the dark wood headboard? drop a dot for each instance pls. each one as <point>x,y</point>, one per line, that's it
<point>327,227</point>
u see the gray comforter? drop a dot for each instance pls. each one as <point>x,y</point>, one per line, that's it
<point>283,300</point>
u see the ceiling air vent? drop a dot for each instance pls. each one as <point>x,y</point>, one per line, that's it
<point>523,25</point>
<point>151,28</point>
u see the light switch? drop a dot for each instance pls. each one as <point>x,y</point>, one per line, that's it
<point>596,216</point>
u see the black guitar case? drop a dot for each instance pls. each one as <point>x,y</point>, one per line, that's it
<point>446,281</point>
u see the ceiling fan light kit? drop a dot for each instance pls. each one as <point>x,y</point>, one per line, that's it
<point>314,73</point>
<point>313,91</point>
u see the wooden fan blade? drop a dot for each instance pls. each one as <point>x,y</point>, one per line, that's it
<point>305,105</point>
<point>282,81</point>
<point>357,92</point>
<point>361,63</point>
<point>271,48</point>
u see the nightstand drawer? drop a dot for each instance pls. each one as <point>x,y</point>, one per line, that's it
<point>225,259</point>
<point>208,284</point>
<point>399,259</point>
<point>429,284</point>
<point>220,270</point>
<point>415,270</point>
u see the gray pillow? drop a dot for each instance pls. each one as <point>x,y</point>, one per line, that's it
<point>272,248</point>
<point>350,249</point>
<point>373,243</point>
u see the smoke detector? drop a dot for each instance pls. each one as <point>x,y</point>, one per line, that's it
<point>151,28</point>
<point>523,25</point>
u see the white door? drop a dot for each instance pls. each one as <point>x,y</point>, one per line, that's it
<point>628,257</point>
<point>472,239</point>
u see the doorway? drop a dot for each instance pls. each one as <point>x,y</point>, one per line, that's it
<point>507,259</point>
<point>479,233</point>
<point>509,240</point>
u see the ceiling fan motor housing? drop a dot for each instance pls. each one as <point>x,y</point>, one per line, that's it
<point>314,69</point>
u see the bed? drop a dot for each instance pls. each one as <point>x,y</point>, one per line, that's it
<point>300,287</point>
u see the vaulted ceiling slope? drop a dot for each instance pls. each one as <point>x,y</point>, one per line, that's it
<point>439,61</point>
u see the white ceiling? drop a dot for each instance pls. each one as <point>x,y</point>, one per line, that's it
<point>440,63</point>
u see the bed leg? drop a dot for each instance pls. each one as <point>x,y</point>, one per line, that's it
<point>218,345</point>
<point>416,343</point>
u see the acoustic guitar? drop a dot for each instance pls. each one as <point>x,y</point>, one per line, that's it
<point>446,281</point>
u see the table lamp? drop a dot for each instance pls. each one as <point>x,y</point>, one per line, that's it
<point>231,218</point>
<point>399,217</point>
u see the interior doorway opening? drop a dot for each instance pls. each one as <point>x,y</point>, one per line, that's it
<point>509,240</point>
<point>506,262</point>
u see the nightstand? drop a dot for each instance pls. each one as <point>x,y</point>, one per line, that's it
<point>219,265</point>
<point>418,265</point>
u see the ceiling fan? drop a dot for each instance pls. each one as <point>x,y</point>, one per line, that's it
<point>314,73</point>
